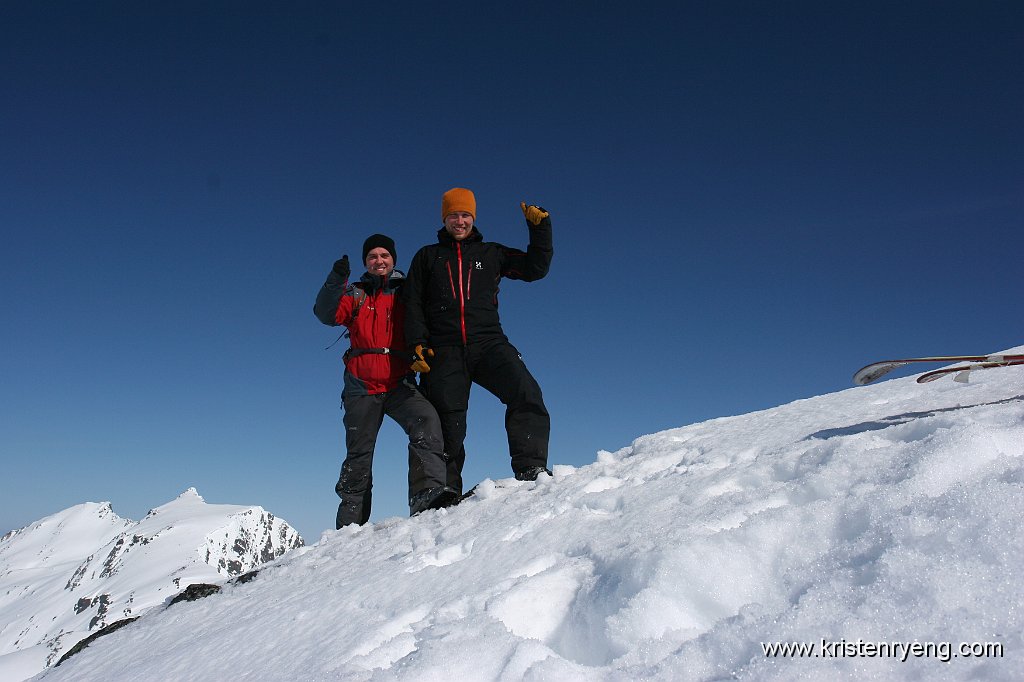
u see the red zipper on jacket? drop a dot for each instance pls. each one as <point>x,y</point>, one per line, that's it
<point>387,321</point>
<point>462,297</point>
<point>451,280</point>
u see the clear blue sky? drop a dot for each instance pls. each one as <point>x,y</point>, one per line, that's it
<point>750,201</point>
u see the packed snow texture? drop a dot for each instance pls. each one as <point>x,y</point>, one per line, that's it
<point>72,573</point>
<point>862,521</point>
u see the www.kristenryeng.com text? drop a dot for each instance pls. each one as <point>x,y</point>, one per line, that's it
<point>903,651</point>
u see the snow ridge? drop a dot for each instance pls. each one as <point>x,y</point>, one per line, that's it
<point>886,514</point>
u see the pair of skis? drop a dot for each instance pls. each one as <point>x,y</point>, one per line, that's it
<point>867,374</point>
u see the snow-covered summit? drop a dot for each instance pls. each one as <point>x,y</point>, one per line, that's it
<point>875,530</point>
<point>76,531</point>
<point>76,571</point>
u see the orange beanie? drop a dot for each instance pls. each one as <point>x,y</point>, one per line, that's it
<point>458,199</point>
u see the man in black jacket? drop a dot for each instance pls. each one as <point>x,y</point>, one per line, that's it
<point>451,297</point>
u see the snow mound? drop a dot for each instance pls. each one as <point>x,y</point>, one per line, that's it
<point>877,526</point>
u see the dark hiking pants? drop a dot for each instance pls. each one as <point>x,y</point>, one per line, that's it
<point>496,366</point>
<point>364,415</point>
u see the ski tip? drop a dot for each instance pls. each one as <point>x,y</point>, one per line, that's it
<point>865,375</point>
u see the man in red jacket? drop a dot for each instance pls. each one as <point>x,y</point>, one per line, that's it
<point>452,323</point>
<point>378,382</point>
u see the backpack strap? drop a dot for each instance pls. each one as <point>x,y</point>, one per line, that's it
<point>360,297</point>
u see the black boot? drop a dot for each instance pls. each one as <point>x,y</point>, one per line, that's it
<point>531,474</point>
<point>432,498</point>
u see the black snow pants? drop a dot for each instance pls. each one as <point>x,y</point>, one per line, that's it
<point>364,415</point>
<point>497,366</point>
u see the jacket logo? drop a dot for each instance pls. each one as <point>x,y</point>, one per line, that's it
<point>479,265</point>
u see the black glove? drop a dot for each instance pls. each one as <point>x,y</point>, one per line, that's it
<point>534,214</point>
<point>341,267</point>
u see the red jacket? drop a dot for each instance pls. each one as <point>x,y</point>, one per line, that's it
<point>375,316</point>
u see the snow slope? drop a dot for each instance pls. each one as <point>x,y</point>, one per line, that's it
<point>72,573</point>
<point>858,523</point>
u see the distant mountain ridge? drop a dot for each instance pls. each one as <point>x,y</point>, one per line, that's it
<point>76,571</point>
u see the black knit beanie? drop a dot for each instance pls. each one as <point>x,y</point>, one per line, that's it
<point>379,240</point>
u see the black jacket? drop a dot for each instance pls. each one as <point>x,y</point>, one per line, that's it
<point>451,292</point>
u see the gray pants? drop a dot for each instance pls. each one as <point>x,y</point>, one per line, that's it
<point>364,415</point>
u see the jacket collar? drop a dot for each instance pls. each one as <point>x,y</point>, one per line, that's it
<point>444,238</point>
<point>372,283</point>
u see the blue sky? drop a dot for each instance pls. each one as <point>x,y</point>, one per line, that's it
<point>750,201</point>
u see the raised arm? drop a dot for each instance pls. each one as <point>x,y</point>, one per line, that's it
<point>329,297</point>
<point>535,262</point>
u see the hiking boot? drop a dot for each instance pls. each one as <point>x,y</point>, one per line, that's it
<point>531,474</point>
<point>432,498</point>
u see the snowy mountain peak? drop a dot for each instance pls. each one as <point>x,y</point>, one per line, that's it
<point>76,571</point>
<point>51,540</point>
<point>191,494</point>
<point>190,499</point>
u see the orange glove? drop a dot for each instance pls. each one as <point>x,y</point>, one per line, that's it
<point>534,214</point>
<point>420,362</point>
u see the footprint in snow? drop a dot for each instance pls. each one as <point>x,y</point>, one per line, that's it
<point>537,605</point>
